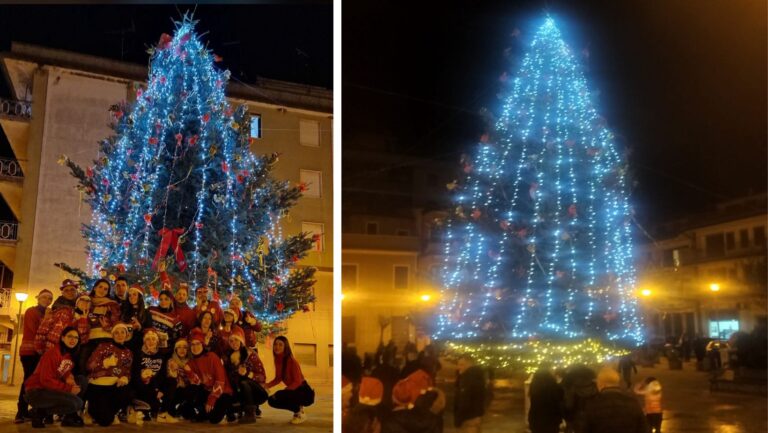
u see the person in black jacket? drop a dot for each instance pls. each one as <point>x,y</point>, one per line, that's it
<point>469,403</point>
<point>546,412</point>
<point>578,387</point>
<point>612,409</point>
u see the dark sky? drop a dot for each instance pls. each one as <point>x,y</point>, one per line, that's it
<point>292,43</point>
<point>683,83</point>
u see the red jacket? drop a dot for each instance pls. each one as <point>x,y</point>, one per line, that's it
<point>207,370</point>
<point>52,372</point>
<point>292,378</point>
<point>32,319</point>
<point>186,316</point>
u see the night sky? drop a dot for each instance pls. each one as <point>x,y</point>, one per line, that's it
<point>682,83</point>
<point>291,43</point>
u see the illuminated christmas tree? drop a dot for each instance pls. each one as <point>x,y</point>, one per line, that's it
<point>540,244</point>
<point>177,196</point>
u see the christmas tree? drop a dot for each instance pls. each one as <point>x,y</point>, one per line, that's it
<point>177,197</point>
<point>540,248</point>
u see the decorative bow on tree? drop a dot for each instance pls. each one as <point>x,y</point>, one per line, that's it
<point>169,239</point>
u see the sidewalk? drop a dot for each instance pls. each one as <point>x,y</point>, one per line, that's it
<point>319,418</point>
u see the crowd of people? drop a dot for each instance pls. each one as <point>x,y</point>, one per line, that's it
<point>385,395</point>
<point>382,395</point>
<point>105,357</point>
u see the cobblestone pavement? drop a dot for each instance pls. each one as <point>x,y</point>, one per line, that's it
<point>689,407</point>
<point>319,419</point>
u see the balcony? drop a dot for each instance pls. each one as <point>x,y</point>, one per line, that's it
<point>10,169</point>
<point>5,302</point>
<point>9,231</point>
<point>15,110</point>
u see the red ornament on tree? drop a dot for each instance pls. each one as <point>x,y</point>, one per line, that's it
<point>504,224</point>
<point>302,187</point>
<point>295,259</point>
<point>280,307</point>
<point>305,308</point>
<point>217,58</point>
<point>148,218</point>
<point>476,214</point>
<point>179,138</point>
<point>165,41</point>
<point>153,140</point>
<point>224,166</point>
<point>206,117</point>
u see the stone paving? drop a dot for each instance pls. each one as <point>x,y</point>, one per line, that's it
<point>319,419</point>
<point>688,405</point>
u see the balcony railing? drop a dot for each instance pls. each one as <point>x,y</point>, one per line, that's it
<point>21,110</point>
<point>9,231</point>
<point>10,169</point>
<point>5,302</point>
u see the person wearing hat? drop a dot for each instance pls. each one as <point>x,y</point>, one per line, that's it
<point>246,320</point>
<point>364,417</point>
<point>109,373</point>
<point>165,321</point>
<point>63,314</point>
<point>297,392</point>
<point>29,358</point>
<point>53,388</point>
<point>209,385</point>
<point>176,390</point>
<point>246,375</point>
<point>408,414</point>
<point>185,313</point>
<point>146,378</point>
<point>104,313</point>
<point>203,304</point>
<point>227,326</point>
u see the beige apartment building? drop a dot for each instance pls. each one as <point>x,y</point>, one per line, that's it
<point>60,106</point>
<point>706,275</point>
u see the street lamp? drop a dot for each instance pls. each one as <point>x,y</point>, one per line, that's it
<point>21,297</point>
<point>425,298</point>
<point>646,292</point>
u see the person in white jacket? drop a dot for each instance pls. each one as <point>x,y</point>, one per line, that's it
<point>650,389</point>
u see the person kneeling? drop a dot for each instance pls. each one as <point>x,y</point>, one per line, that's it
<point>246,372</point>
<point>297,392</point>
<point>109,371</point>
<point>209,384</point>
<point>53,388</point>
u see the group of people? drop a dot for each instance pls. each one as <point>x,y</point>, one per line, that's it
<point>105,357</point>
<point>380,396</point>
<point>593,403</point>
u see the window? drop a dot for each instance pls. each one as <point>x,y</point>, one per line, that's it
<point>403,232</point>
<point>715,246</point>
<point>313,182</point>
<point>315,229</point>
<point>348,277</point>
<point>401,277</point>
<point>371,228</point>
<point>759,233</point>
<point>255,125</point>
<point>330,355</point>
<point>309,132</point>
<point>730,241</point>
<point>722,329</point>
<point>305,353</point>
<point>744,238</point>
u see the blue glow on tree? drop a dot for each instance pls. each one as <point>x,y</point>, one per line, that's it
<point>177,196</point>
<point>540,243</point>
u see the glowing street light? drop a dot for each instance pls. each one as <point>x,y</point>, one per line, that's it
<point>714,287</point>
<point>425,298</point>
<point>646,292</point>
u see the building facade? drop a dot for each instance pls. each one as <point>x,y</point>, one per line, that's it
<point>706,275</point>
<point>60,106</point>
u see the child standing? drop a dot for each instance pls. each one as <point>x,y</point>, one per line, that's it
<point>650,389</point>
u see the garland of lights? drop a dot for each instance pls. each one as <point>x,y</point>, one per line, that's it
<point>539,246</point>
<point>177,196</point>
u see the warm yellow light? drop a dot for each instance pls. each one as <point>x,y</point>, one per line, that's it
<point>21,296</point>
<point>714,287</point>
<point>646,292</point>
<point>342,296</point>
<point>425,298</point>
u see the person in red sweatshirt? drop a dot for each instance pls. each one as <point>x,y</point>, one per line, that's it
<point>246,375</point>
<point>105,312</point>
<point>109,372</point>
<point>209,384</point>
<point>185,313</point>
<point>28,356</point>
<point>52,387</point>
<point>49,332</point>
<point>203,304</point>
<point>297,392</point>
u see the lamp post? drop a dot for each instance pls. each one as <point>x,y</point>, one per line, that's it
<point>714,288</point>
<point>21,297</point>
